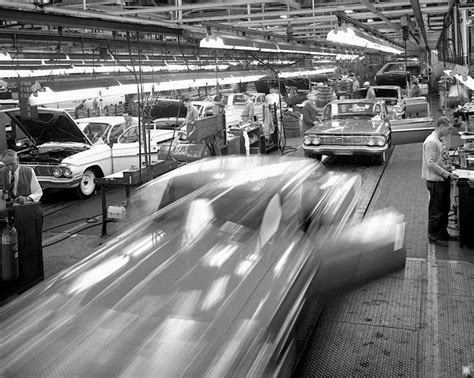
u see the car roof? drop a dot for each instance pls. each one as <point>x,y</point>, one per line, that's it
<point>386,86</point>
<point>355,101</point>
<point>52,110</point>
<point>112,119</point>
<point>249,93</point>
<point>202,103</point>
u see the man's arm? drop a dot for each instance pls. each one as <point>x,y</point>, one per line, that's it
<point>36,191</point>
<point>251,111</point>
<point>431,156</point>
<point>307,115</point>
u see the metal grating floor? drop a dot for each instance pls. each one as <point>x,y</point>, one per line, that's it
<point>65,253</point>
<point>384,328</point>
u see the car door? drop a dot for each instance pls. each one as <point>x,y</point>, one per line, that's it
<point>410,130</point>
<point>125,150</point>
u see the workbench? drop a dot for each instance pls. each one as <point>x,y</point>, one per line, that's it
<point>464,205</point>
<point>127,179</point>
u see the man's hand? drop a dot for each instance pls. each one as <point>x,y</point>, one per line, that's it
<point>22,199</point>
<point>453,176</point>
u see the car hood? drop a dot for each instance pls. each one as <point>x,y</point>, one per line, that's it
<point>168,108</point>
<point>348,126</point>
<point>52,125</point>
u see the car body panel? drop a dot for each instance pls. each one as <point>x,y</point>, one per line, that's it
<point>411,130</point>
<point>201,287</point>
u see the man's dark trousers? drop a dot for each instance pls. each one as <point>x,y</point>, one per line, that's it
<point>438,209</point>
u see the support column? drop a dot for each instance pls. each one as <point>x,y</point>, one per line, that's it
<point>464,36</point>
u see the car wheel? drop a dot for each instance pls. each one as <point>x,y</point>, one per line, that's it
<point>87,186</point>
<point>381,159</point>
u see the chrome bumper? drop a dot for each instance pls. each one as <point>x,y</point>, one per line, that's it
<point>58,183</point>
<point>344,150</point>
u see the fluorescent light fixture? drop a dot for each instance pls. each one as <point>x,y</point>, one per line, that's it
<point>214,42</point>
<point>349,36</point>
<point>267,46</point>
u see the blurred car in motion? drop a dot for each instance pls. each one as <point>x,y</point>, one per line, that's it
<point>214,279</point>
<point>361,127</point>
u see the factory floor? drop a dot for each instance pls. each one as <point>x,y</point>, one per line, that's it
<point>417,322</point>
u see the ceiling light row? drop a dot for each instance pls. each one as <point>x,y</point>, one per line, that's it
<point>352,37</point>
<point>215,42</point>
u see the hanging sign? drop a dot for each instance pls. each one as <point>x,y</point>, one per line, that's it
<point>24,90</point>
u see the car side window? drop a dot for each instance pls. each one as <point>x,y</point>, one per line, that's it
<point>115,132</point>
<point>129,136</point>
<point>209,111</point>
<point>327,112</point>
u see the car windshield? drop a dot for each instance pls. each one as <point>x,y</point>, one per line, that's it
<point>238,99</point>
<point>94,130</point>
<point>351,109</point>
<point>384,92</point>
<point>400,66</point>
<point>395,67</point>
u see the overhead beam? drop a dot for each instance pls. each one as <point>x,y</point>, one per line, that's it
<point>380,15</point>
<point>200,6</point>
<point>19,36</point>
<point>274,17</point>
<point>30,14</point>
<point>415,4</point>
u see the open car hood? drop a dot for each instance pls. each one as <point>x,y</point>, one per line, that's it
<point>52,125</point>
<point>168,108</point>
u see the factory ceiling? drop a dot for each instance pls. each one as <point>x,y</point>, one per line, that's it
<point>307,22</point>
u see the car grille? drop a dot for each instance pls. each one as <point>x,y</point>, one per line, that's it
<point>42,170</point>
<point>344,140</point>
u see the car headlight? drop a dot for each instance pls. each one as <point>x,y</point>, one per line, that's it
<point>57,172</point>
<point>381,141</point>
<point>67,172</point>
<point>376,141</point>
<point>311,139</point>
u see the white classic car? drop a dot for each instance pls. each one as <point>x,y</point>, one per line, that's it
<point>70,154</point>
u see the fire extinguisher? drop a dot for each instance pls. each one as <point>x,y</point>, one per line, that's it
<point>9,251</point>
